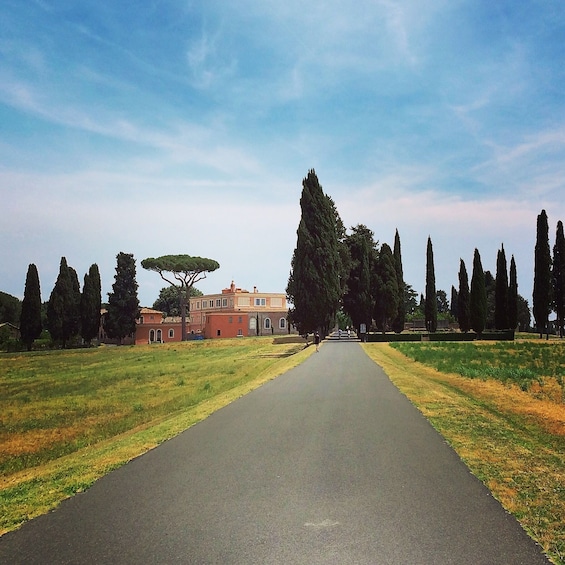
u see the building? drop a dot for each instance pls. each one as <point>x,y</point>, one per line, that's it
<point>236,312</point>
<point>232,313</point>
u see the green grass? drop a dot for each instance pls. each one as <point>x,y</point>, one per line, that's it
<point>521,363</point>
<point>68,417</point>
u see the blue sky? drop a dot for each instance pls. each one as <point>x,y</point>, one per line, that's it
<point>163,127</point>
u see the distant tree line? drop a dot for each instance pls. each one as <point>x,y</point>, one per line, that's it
<point>72,316</point>
<point>349,278</point>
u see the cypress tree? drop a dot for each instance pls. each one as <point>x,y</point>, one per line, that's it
<point>73,312</point>
<point>542,275</point>
<point>453,307</point>
<point>358,299</point>
<point>463,299</point>
<point>398,322</point>
<point>123,304</point>
<point>386,292</point>
<point>559,277</point>
<point>513,296</point>
<point>61,306</point>
<point>90,304</point>
<point>431,296</point>
<point>501,292</point>
<point>30,317</point>
<point>314,286</point>
<point>478,296</point>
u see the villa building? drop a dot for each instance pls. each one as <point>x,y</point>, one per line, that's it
<point>234,312</point>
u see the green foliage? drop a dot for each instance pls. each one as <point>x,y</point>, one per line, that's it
<point>10,308</point>
<point>63,316</point>
<point>387,294</point>
<point>542,274</point>
<point>558,278</point>
<point>181,272</point>
<point>463,299</point>
<point>501,292</point>
<point>478,296</point>
<point>430,308</point>
<point>358,299</point>
<point>123,304</point>
<point>314,286</point>
<point>168,300</point>
<point>513,296</point>
<point>398,322</point>
<point>90,304</point>
<point>30,319</point>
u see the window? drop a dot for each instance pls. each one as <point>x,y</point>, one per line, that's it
<point>240,319</point>
<point>267,323</point>
<point>224,302</point>
<point>282,323</point>
<point>198,306</point>
<point>260,302</point>
<point>171,333</point>
<point>141,320</point>
<point>239,332</point>
<point>218,302</point>
<point>252,323</point>
<point>159,336</point>
<point>219,333</point>
<point>151,336</point>
<point>230,319</point>
<point>204,304</point>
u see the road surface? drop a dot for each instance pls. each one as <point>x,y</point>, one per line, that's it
<point>327,464</point>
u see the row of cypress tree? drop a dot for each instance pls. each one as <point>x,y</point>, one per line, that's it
<point>72,313</point>
<point>549,277</point>
<point>331,269</point>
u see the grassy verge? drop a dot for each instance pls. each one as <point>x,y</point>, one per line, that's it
<point>69,417</point>
<point>511,439</point>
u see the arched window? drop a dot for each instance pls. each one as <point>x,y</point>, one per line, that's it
<point>151,336</point>
<point>267,323</point>
<point>171,333</point>
<point>282,323</point>
<point>159,336</point>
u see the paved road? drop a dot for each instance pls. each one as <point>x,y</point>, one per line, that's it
<point>328,464</point>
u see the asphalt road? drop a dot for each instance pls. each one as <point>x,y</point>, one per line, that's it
<point>327,464</point>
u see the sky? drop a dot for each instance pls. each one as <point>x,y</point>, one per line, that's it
<point>186,127</point>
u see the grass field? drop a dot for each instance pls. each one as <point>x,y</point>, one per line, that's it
<point>68,417</point>
<point>500,407</point>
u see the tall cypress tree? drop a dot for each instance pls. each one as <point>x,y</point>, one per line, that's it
<point>513,296</point>
<point>73,312</point>
<point>398,322</point>
<point>542,275</point>
<point>453,303</point>
<point>30,317</point>
<point>314,286</point>
<point>387,295</point>
<point>431,300</point>
<point>463,299</point>
<point>123,304</point>
<point>478,296</point>
<point>558,273</point>
<point>61,309</point>
<point>358,299</point>
<point>90,304</point>
<point>501,292</point>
